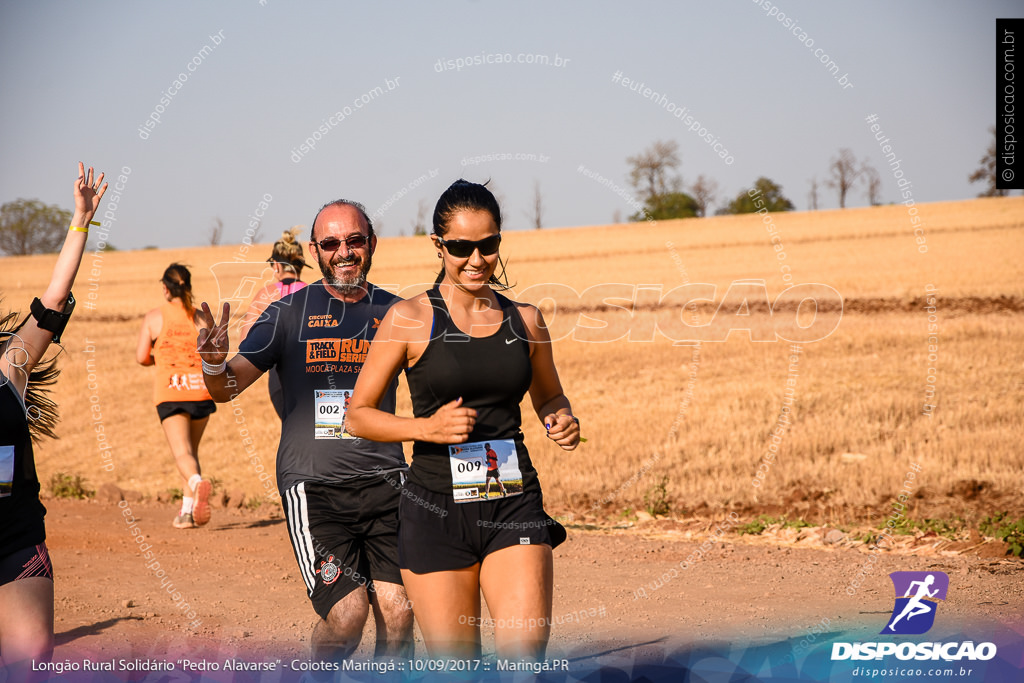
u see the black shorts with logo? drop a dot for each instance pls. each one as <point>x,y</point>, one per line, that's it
<point>344,537</point>
<point>26,563</point>
<point>438,534</point>
<point>196,410</point>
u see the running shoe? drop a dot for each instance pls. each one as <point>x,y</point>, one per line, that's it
<point>184,521</point>
<point>201,509</point>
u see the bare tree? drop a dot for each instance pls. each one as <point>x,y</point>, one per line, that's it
<point>986,173</point>
<point>873,191</point>
<point>844,171</point>
<point>616,216</point>
<point>651,170</point>
<point>419,226</point>
<point>704,191</point>
<point>812,196</point>
<point>258,232</point>
<point>536,213</point>
<point>216,231</point>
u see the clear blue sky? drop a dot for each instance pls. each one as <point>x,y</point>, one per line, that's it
<point>80,79</point>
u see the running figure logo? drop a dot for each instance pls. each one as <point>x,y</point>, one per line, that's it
<point>917,596</point>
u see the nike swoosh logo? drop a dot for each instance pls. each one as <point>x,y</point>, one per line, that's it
<point>509,341</point>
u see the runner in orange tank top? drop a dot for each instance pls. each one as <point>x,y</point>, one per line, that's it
<point>168,341</point>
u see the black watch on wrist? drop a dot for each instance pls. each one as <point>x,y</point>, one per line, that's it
<point>51,320</point>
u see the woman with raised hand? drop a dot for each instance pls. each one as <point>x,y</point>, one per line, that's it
<point>27,414</point>
<point>470,355</point>
<point>168,340</point>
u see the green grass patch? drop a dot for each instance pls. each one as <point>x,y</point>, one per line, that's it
<point>656,499</point>
<point>67,486</point>
<point>951,529</point>
<point>1000,526</point>
<point>764,521</point>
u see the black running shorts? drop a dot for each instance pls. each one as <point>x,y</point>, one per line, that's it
<point>438,534</point>
<point>197,410</point>
<point>344,537</point>
<point>25,564</point>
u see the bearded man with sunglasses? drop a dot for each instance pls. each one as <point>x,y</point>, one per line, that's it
<point>340,493</point>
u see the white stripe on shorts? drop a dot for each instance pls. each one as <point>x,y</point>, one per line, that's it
<point>298,530</point>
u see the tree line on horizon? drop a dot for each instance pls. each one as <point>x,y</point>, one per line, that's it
<point>653,175</point>
<point>28,226</point>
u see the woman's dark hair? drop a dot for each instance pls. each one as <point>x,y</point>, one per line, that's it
<point>460,196</point>
<point>463,195</point>
<point>42,411</point>
<point>178,281</point>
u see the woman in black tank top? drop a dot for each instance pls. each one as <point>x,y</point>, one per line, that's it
<point>27,413</point>
<point>472,514</point>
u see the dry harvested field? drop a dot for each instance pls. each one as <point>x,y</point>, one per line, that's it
<point>853,392</point>
<point>702,416</point>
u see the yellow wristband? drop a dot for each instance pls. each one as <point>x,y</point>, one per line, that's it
<point>78,229</point>
<point>94,223</point>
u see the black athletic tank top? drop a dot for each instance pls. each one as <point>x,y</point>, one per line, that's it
<point>21,512</point>
<point>491,374</point>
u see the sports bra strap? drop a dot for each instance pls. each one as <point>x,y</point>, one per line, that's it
<point>515,320</point>
<point>440,310</point>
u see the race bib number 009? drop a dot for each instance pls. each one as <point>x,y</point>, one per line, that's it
<point>485,470</point>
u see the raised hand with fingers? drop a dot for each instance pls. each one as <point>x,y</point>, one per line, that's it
<point>452,423</point>
<point>88,192</point>
<point>212,342</point>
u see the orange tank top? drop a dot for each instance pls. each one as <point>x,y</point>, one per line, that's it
<point>179,370</point>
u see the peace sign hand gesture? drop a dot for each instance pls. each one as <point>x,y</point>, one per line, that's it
<point>212,343</point>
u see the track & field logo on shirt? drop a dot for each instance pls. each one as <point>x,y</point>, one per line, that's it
<point>337,350</point>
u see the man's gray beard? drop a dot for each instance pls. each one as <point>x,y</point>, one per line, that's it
<point>353,285</point>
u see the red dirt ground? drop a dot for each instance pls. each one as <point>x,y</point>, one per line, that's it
<point>239,575</point>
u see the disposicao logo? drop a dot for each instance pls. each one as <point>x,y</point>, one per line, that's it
<point>917,596</point>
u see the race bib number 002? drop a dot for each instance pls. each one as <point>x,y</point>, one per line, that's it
<point>485,470</point>
<point>330,406</point>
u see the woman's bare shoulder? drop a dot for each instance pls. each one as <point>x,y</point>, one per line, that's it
<point>411,318</point>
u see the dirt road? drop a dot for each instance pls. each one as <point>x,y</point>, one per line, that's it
<point>621,595</point>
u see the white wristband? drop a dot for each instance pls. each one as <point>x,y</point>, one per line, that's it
<point>218,369</point>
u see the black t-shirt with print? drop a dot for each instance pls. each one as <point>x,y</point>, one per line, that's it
<point>318,344</point>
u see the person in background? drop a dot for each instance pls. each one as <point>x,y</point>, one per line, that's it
<point>168,341</point>
<point>27,414</point>
<point>287,263</point>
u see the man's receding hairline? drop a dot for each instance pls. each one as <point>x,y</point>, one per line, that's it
<point>359,214</point>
